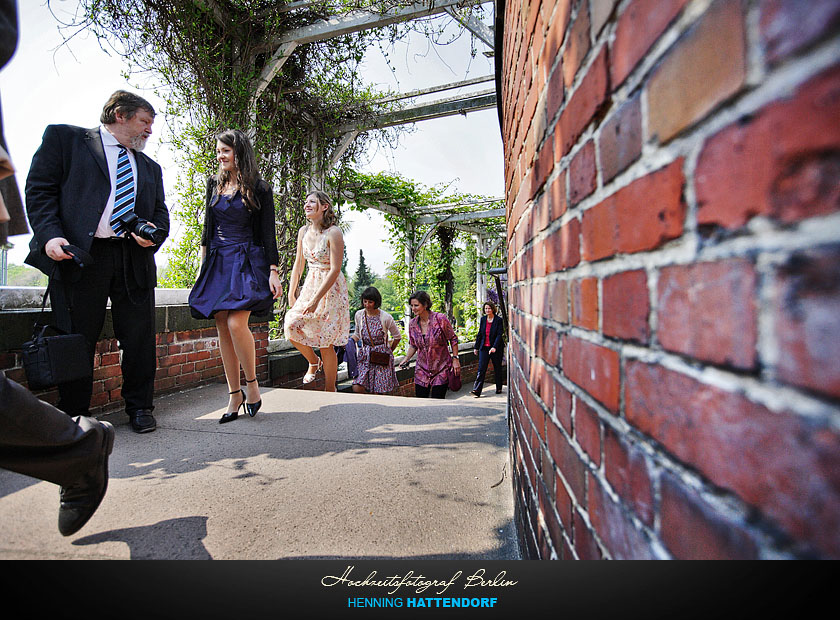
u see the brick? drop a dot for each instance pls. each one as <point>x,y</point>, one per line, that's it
<point>693,530</point>
<point>582,174</point>
<point>782,162</point>
<point>584,303</point>
<point>703,69</point>
<point>626,469</point>
<point>562,248</point>
<point>807,318</point>
<point>640,216</point>
<point>585,545</point>
<point>557,292</point>
<point>557,196</point>
<point>577,45</point>
<point>589,98</point>
<point>587,426</point>
<point>563,503</point>
<point>786,466</point>
<point>638,28</point>
<point>626,306</point>
<point>620,139</point>
<point>563,406</point>
<point>572,470</point>
<point>594,368</point>
<point>622,538</point>
<point>708,311</point>
<point>790,26</point>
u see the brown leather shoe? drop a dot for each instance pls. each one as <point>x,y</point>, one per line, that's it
<point>80,501</point>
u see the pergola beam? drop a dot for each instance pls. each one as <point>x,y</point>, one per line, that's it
<point>438,89</point>
<point>481,30</point>
<point>461,217</point>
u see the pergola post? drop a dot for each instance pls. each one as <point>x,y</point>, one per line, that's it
<point>480,272</point>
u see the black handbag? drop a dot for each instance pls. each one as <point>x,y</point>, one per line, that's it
<point>49,361</point>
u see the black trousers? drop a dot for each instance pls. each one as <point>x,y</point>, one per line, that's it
<point>80,307</point>
<point>436,391</point>
<point>484,358</point>
<point>38,440</point>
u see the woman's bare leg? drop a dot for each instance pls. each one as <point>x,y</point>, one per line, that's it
<point>243,345</point>
<point>330,368</point>
<point>359,389</point>
<point>229,360</point>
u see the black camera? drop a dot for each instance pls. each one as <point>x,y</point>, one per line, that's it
<point>142,228</point>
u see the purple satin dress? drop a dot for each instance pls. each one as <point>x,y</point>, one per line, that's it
<point>234,275</point>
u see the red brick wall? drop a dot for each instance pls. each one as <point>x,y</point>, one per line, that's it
<point>186,358</point>
<point>671,171</point>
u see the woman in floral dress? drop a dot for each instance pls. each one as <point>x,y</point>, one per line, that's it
<point>430,334</point>
<point>373,327</point>
<point>319,316</point>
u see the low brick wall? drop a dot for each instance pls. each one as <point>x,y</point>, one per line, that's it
<point>187,348</point>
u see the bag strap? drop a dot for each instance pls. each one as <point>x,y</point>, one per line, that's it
<point>370,335</point>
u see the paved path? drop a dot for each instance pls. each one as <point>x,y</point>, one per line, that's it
<point>313,475</point>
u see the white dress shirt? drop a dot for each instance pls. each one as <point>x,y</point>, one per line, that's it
<point>112,152</point>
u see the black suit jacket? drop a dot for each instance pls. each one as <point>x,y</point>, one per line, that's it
<point>496,338</point>
<point>67,190</point>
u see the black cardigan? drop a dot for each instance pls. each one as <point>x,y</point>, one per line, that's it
<point>262,221</point>
<point>496,339</point>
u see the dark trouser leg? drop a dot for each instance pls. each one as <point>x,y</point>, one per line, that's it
<point>436,391</point>
<point>498,369</point>
<point>439,391</point>
<point>483,363</point>
<point>421,391</point>
<point>135,330</point>
<point>38,440</point>
<point>79,308</point>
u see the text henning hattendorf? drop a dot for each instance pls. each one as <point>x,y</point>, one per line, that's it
<point>420,582</point>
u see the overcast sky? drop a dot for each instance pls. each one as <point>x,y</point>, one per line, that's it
<point>45,83</point>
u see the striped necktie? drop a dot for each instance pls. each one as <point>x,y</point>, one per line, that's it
<point>124,195</point>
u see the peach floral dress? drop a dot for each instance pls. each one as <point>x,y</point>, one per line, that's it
<point>329,325</point>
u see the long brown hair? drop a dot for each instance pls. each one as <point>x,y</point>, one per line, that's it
<point>330,218</point>
<point>247,176</point>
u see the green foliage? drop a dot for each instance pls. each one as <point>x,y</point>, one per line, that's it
<point>362,279</point>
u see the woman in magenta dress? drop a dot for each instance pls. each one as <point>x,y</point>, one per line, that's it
<point>238,264</point>
<point>431,336</point>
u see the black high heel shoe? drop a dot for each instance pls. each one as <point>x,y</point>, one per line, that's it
<point>252,408</point>
<point>230,416</point>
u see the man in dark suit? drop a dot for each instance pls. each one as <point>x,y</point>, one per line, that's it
<point>36,439</point>
<point>81,182</point>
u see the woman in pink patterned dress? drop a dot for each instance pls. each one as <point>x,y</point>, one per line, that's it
<point>373,328</point>
<point>431,335</point>
<point>319,317</point>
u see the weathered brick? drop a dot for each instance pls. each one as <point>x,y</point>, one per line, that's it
<point>587,427</point>
<point>563,406</point>
<point>577,45</point>
<point>708,63</point>
<point>693,530</point>
<point>584,104</point>
<point>622,538</point>
<point>562,249</point>
<point>807,317</point>
<point>585,545</point>
<point>626,306</point>
<point>600,11</point>
<point>639,26</point>
<point>582,174</point>
<point>789,26</point>
<point>786,466</point>
<point>557,196</point>
<point>708,311</point>
<point>584,302</point>
<point>592,367</point>
<point>626,469</point>
<point>783,162</point>
<point>569,465</point>
<point>640,216</point>
<point>620,139</point>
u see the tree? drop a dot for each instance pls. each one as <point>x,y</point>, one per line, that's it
<point>362,279</point>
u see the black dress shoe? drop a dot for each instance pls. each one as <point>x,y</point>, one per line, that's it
<point>252,408</point>
<point>498,390</point>
<point>230,416</point>
<point>80,501</point>
<point>475,393</point>
<point>142,421</point>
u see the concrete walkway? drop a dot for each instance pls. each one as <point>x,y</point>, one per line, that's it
<point>312,476</point>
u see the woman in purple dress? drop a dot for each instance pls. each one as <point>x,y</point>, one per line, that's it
<point>431,336</point>
<point>238,264</point>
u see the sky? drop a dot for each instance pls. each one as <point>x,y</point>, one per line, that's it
<point>47,82</point>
